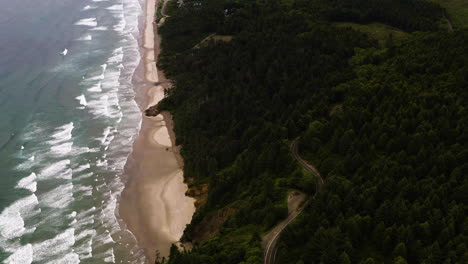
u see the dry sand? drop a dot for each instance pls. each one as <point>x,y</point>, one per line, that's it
<point>153,203</point>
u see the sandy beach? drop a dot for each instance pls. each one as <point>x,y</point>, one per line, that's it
<point>153,203</point>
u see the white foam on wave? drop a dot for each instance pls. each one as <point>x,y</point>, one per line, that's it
<point>59,169</point>
<point>63,133</point>
<point>56,246</point>
<point>27,164</point>
<point>100,107</point>
<point>62,149</point>
<point>101,76</point>
<point>101,163</point>
<point>104,239</point>
<point>72,214</point>
<point>117,56</point>
<point>99,28</point>
<point>120,26</point>
<point>59,197</point>
<point>28,183</point>
<point>115,7</point>
<point>85,232</point>
<point>112,83</point>
<point>85,38</point>
<point>12,217</point>
<point>86,238</point>
<point>85,220</point>
<point>70,258</point>
<point>81,168</point>
<point>82,100</point>
<point>111,257</point>
<point>105,135</point>
<point>83,190</point>
<point>84,176</point>
<point>96,87</point>
<point>21,255</point>
<point>90,22</point>
<point>88,7</point>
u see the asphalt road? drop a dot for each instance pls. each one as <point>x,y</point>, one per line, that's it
<point>271,238</point>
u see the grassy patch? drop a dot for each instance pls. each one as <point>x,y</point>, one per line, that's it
<point>212,37</point>
<point>159,11</point>
<point>377,31</point>
<point>457,11</point>
<point>171,8</point>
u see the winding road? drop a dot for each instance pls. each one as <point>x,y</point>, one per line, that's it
<point>270,240</point>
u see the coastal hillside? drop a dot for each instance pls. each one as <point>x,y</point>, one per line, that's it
<point>373,96</point>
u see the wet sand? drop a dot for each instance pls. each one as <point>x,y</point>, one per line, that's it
<point>153,203</point>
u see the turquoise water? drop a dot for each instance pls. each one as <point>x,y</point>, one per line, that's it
<point>67,122</point>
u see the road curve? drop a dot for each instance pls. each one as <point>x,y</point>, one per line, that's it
<point>270,244</point>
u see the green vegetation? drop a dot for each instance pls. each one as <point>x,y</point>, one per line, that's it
<point>159,11</point>
<point>213,38</point>
<point>172,7</point>
<point>386,124</point>
<point>377,31</point>
<point>394,159</point>
<point>457,11</point>
<point>413,15</point>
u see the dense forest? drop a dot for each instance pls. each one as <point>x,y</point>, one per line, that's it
<point>385,124</point>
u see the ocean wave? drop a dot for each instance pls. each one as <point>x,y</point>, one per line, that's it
<point>101,163</point>
<point>100,28</point>
<point>88,231</point>
<point>115,7</point>
<point>21,255</point>
<point>88,7</point>
<point>85,239</point>
<point>56,246</point>
<point>83,190</point>
<point>99,107</point>
<point>70,258</point>
<point>72,214</point>
<point>82,100</point>
<point>101,76</point>
<point>85,219</point>
<point>12,217</point>
<point>120,26</point>
<point>117,56</point>
<point>63,133</point>
<point>83,176</point>
<point>105,134</point>
<point>60,197</point>
<point>59,169</point>
<point>85,38</point>
<point>81,168</point>
<point>28,183</point>
<point>90,22</point>
<point>62,149</point>
<point>27,164</point>
<point>96,88</point>
<point>111,257</point>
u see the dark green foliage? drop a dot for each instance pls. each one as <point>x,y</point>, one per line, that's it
<point>408,15</point>
<point>387,127</point>
<point>406,121</point>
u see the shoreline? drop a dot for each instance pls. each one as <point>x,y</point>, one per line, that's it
<point>153,203</point>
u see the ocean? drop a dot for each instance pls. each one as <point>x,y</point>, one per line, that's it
<point>68,118</point>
